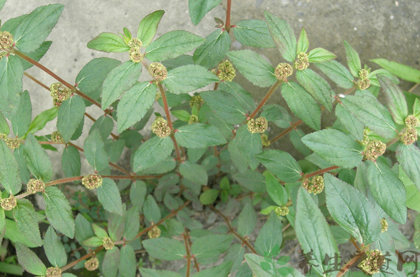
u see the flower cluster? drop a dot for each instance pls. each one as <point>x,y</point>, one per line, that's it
<point>258,125</point>
<point>35,185</point>
<point>13,143</point>
<point>282,211</point>
<point>282,71</point>
<point>197,101</point>
<point>59,93</point>
<point>364,82</point>
<point>226,71</point>
<point>154,232</point>
<point>160,127</point>
<point>302,61</point>
<point>92,264</point>
<point>265,141</point>
<point>6,41</point>
<point>411,121</point>
<point>372,263</point>
<point>92,181</point>
<point>53,272</point>
<point>315,186</point>
<point>8,203</point>
<point>374,149</point>
<point>193,119</point>
<point>409,136</point>
<point>107,243</point>
<point>384,225</point>
<point>158,71</point>
<point>56,137</point>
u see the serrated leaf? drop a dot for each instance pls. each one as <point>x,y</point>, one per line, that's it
<point>4,126</point>
<point>281,164</point>
<point>151,210</point>
<point>165,249</point>
<point>36,55</point>
<point>254,67</point>
<point>58,211</point>
<point>22,119</point>
<point>199,135</point>
<point>209,196</point>
<point>27,222</point>
<point>11,73</point>
<point>111,262</point>
<point>139,98</point>
<point>138,193</point>
<point>352,125</point>
<point>387,190</point>
<point>70,114</point>
<point>9,177</point>
<point>41,120</point>
<point>128,265</point>
<point>120,79</point>
<point>148,27</point>
<point>409,158</point>
<point>109,196</point>
<point>182,115</point>
<point>212,52</point>
<point>29,260</point>
<point>172,44</point>
<point>400,70</point>
<point>353,60</point>
<point>335,147</point>
<point>70,161</point>
<point>302,104</point>
<point>247,220</point>
<point>275,190</point>
<point>314,234</point>
<point>37,160</point>
<point>395,100</point>
<point>277,114</point>
<point>193,172</point>
<point>83,229</point>
<point>108,42</point>
<point>152,152</point>
<point>147,272</point>
<point>373,77</point>
<point>54,249</point>
<point>179,79</point>
<point>132,224</point>
<point>116,225</point>
<point>316,86</point>
<point>337,72</point>
<point>320,55</point>
<point>236,255</point>
<point>244,97</point>
<point>303,42</point>
<point>216,271</point>
<point>269,237</point>
<point>253,33</point>
<point>36,27</point>
<point>252,180</point>
<point>92,242</point>
<point>283,36</point>
<point>199,8</point>
<point>211,246</point>
<point>224,105</point>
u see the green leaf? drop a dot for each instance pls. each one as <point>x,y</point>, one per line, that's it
<point>276,191</point>
<point>352,125</point>
<point>27,222</point>
<point>281,164</point>
<point>373,77</point>
<point>58,211</point>
<point>179,79</point>
<point>254,67</point>
<point>340,235</point>
<point>313,233</point>
<point>4,126</point>
<point>108,42</point>
<point>269,237</point>
<point>413,193</point>
<point>182,115</point>
<point>247,220</point>
<point>302,104</point>
<point>283,36</point>
<point>335,147</point>
<point>109,196</point>
<point>132,224</point>
<point>387,190</point>
<point>338,73</point>
<point>94,73</point>
<point>22,119</point>
<point>320,55</point>
<point>11,73</point>
<point>224,105</point>
<point>2,2</point>
<point>83,229</point>
<point>400,70</point>
<point>94,149</point>
<point>165,249</point>
<point>54,249</point>
<point>111,262</point>
<point>303,42</point>
<point>353,60</point>
<point>36,27</point>
<point>255,262</point>
<point>99,232</point>
<point>199,8</point>
<point>36,55</point>
<point>236,255</point>
<point>209,196</point>
<point>244,97</point>
<point>128,265</point>
<point>409,158</point>
<point>372,114</point>
<point>199,135</point>
<point>104,124</point>
<point>37,160</point>
<point>147,272</point>
<point>92,242</point>
<point>395,100</point>
<point>41,120</point>
<point>29,260</point>
<point>151,210</point>
<point>244,149</point>
<point>252,180</point>
<point>211,246</point>
<point>70,162</point>
<point>277,114</point>
<point>212,52</point>
<point>216,271</point>
<point>120,79</point>
<point>172,44</point>
<point>139,98</point>
<point>296,139</point>
<point>194,172</point>
<point>148,27</point>
<point>316,86</point>
<point>138,193</point>
<point>9,177</point>
<point>152,152</point>
<point>352,210</point>
<point>70,114</point>
<point>253,33</point>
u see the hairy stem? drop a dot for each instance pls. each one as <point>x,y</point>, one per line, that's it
<point>320,171</point>
<point>70,265</point>
<point>266,97</point>
<point>228,10</point>
<point>350,264</point>
<point>294,125</point>
<point>187,248</point>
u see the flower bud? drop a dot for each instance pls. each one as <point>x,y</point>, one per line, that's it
<point>264,140</point>
<point>409,136</point>
<point>374,149</point>
<point>6,41</point>
<point>154,232</point>
<point>315,186</point>
<point>258,125</point>
<point>158,71</point>
<point>8,203</point>
<point>3,137</point>
<point>282,71</point>
<point>56,137</point>
<point>107,243</point>
<point>193,119</point>
<point>160,127</point>
<point>226,71</point>
<point>13,143</point>
<point>59,92</point>
<point>135,42</point>
<point>372,263</point>
<point>282,211</point>
<point>384,225</point>
<point>135,55</point>
<point>35,185</point>
<point>363,84</point>
<point>53,272</point>
<point>92,181</point>
<point>196,100</point>
<point>411,121</point>
<point>363,74</point>
<point>302,61</point>
<point>92,264</point>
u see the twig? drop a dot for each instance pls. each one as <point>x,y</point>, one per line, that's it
<point>306,176</point>
<point>266,97</point>
<point>294,125</point>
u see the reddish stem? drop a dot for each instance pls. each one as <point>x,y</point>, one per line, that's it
<point>350,264</point>
<point>266,97</point>
<point>294,125</point>
<point>228,10</point>
<point>320,171</point>
<point>187,249</point>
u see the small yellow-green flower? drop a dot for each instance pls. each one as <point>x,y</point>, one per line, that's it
<point>258,125</point>
<point>282,71</point>
<point>372,263</point>
<point>92,181</point>
<point>226,71</point>
<point>53,272</point>
<point>107,243</point>
<point>282,211</point>
<point>158,71</point>
<point>160,127</point>
<point>154,232</point>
